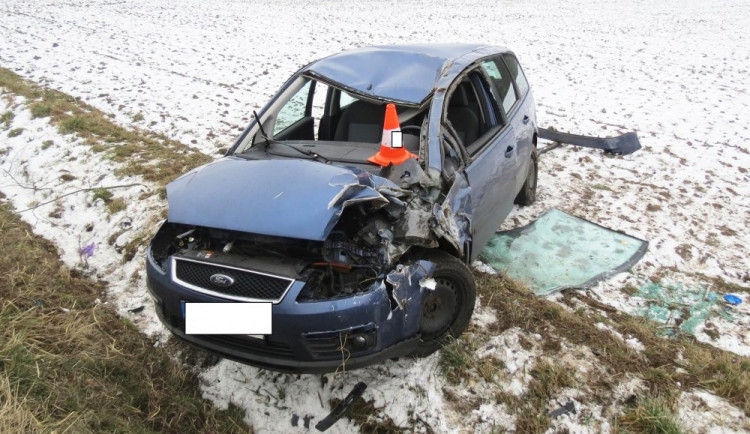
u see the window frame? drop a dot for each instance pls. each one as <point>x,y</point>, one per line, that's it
<point>476,148</point>
<point>514,79</point>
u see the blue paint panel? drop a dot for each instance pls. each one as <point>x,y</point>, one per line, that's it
<point>406,73</point>
<point>288,198</point>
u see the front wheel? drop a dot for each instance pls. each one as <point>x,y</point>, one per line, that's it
<point>527,195</point>
<point>447,309</point>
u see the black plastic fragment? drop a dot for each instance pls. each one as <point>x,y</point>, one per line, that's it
<point>568,408</point>
<point>343,407</point>
<point>624,144</point>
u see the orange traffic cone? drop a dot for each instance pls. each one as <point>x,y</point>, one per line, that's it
<point>392,149</point>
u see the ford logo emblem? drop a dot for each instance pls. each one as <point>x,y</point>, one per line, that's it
<point>221,280</point>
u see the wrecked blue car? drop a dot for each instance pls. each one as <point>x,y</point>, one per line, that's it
<point>357,234</point>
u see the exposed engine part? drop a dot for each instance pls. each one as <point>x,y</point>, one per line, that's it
<point>375,231</point>
<point>414,227</point>
<point>337,248</point>
<point>330,280</point>
<point>228,247</point>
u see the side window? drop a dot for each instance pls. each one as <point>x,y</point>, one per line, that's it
<point>346,99</point>
<point>464,112</point>
<point>517,73</point>
<point>502,85</point>
<point>293,110</point>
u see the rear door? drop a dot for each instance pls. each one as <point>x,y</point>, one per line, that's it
<point>524,117</point>
<point>514,111</point>
<point>492,157</point>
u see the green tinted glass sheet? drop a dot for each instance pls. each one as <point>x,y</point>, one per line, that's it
<point>559,251</point>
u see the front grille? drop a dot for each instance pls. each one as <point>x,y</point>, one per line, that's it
<point>248,285</point>
<point>237,343</point>
<point>257,346</point>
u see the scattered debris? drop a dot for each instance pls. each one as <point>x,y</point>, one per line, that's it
<point>88,251</point>
<point>568,408</point>
<point>680,306</point>
<point>732,299</point>
<point>341,409</point>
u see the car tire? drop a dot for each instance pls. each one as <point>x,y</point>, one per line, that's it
<point>447,309</point>
<point>527,195</point>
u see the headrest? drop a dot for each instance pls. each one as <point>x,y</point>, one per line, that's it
<point>460,98</point>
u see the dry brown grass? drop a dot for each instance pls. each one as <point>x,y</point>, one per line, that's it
<point>664,374</point>
<point>70,364</point>
<point>143,153</point>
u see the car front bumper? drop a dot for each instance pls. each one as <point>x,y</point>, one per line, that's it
<point>309,336</point>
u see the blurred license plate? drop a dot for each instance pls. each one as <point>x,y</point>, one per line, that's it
<point>227,318</point>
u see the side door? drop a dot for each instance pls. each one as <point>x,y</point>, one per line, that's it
<point>504,92</point>
<point>489,142</point>
<point>522,114</point>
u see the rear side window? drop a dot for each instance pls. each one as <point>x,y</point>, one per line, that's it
<point>517,73</point>
<point>502,85</point>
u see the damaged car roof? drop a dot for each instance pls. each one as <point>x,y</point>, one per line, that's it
<point>403,73</point>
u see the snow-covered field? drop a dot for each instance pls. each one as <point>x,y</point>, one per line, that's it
<point>675,71</point>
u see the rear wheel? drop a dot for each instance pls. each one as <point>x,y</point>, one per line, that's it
<point>447,309</point>
<point>527,195</point>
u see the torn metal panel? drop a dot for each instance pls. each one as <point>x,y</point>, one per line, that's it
<point>454,215</point>
<point>623,144</point>
<point>408,283</point>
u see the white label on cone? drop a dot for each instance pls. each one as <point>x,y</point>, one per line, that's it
<point>397,139</point>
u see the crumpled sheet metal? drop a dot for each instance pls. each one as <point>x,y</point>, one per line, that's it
<point>409,283</point>
<point>454,215</point>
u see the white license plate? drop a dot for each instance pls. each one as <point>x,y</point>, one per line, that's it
<point>228,318</point>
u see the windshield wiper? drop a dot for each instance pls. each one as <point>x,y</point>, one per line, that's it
<point>314,155</point>
<point>262,131</point>
<point>311,154</point>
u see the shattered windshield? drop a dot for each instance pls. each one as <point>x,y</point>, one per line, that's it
<point>311,117</point>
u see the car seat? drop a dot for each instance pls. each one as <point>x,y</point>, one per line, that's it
<point>463,119</point>
<point>361,121</point>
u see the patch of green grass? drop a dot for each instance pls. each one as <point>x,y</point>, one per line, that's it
<point>40,109</point>
<point>103,194</point>
<point>15,132</point>
<point>46,144</point>
<point>73,124</point>
<point>549,379</point>
<point>6,118</point>
<point>650,416</point>
<point>138,117</point>
<point>601,187</point>
<point>459,361</point>
<point>69,364</point>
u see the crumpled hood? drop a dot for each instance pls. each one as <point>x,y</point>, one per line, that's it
<point>289,198</point>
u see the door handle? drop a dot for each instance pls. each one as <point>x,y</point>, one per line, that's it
<point>509,152</point>
<point>526,119</point>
